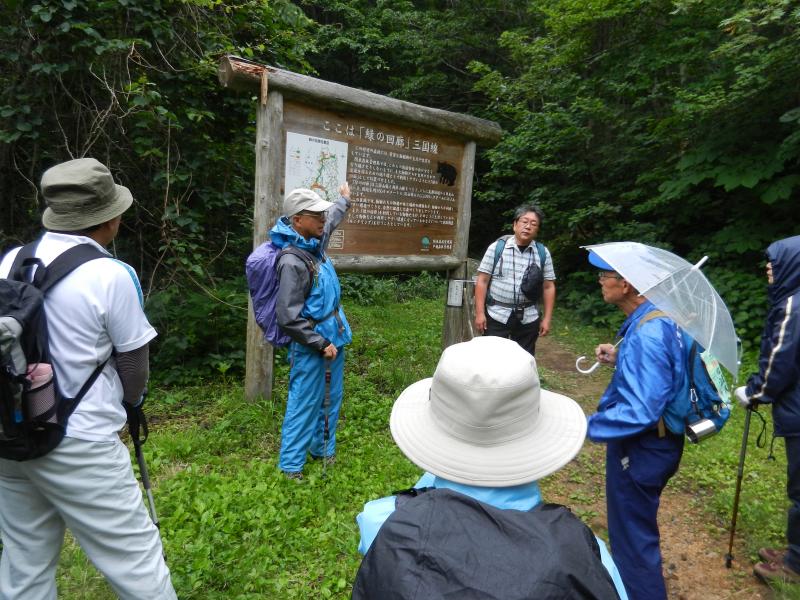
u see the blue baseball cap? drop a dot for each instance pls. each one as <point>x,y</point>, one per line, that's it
<point>598,262</point>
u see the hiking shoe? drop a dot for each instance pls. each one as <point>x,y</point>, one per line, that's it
<point>296,475</point>
<point>771,555</point>
<point>329,460</point>
<point>776,572</point>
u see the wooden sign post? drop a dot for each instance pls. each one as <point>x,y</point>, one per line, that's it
<point>409,167</point>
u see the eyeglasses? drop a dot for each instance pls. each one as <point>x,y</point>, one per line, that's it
<point>525,223</point>
<point>319,216</point>
<point>604,275</point>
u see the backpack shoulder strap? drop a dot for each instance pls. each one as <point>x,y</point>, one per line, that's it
<point>653,314</point>
<point>498,250</point>
<point>690,363</point>
<point>66,262</point>
<point>403,496</point>
<point>542,255</point>
<point>308,260</point>
<point>25,255</point>
<point>498,256</point>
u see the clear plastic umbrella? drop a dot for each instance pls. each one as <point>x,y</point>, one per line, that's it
<point>679,289</point>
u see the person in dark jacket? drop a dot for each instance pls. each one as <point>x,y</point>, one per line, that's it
<point>309,311</point>
<point>778,383</point>
<point>484,432</point>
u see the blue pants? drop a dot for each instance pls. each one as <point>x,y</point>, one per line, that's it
<point>304,422</point>
<point>637,469</point>
<point>792,558</point>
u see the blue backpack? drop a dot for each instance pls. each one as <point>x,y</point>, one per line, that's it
<point>709,394</point>
<point>261,269</point>
<point>705,409</point>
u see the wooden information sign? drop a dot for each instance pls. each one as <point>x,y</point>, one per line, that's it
<point>409,167</point>
<point>405,183</point>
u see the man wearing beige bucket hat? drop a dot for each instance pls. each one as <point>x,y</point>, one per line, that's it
<point>484,432</point>
<point>98,338</point>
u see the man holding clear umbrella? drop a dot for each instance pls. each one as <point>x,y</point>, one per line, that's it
<point>669,305</point>
<point>642,415</point>
<point>642,453</point>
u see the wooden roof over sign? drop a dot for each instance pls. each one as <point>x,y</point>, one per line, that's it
<point>242,74</point>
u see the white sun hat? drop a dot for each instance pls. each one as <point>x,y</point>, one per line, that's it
<point>483,420</point>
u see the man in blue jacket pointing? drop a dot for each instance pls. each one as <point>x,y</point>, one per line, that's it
<point>309,311</point>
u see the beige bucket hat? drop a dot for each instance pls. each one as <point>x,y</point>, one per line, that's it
<point>302,199</point>
<point>483,420</point>
<point>81,193</point>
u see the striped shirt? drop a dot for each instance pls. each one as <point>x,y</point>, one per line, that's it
<point>507,278</point>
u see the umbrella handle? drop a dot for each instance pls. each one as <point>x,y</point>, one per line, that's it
<point>591,369</point>
<point>594,367</point>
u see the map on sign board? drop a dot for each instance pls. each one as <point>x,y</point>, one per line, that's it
<point>316,163</point>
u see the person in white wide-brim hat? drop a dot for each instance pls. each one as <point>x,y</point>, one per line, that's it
<point>481,427</point>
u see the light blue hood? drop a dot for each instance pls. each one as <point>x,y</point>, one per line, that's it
<point>282,235</point>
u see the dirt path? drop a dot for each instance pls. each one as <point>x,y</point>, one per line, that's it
<point>694,563</point>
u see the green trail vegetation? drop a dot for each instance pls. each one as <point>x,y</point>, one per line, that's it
<point>233,527</point>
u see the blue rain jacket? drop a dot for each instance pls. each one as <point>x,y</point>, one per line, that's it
<point>778,379</point>
<point>518,497</point>
<point>650,373</point>
<point>294,309</point>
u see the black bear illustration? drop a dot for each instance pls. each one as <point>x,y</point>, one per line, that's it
<point>447,173</point>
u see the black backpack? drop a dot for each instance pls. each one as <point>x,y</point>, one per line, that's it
<point>442,544</point>
<point>33,421</point>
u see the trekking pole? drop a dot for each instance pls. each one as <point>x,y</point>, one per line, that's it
<point>146,481</point>
<point>326,404</point>
<point>135,421</point>
<point>739,474</point>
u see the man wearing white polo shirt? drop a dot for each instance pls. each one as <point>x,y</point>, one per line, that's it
<point>96,322</point>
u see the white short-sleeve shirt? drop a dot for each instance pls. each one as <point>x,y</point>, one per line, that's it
<point>95,309</point>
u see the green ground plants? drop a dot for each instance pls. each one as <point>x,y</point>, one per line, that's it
<point>233,527</point>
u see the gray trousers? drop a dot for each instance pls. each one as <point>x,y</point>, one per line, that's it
<point>90,488</point>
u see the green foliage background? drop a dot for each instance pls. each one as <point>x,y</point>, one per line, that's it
<point>671,122</point>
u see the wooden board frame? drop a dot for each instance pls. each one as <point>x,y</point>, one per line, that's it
<point>275,87</point>
<point>423,243</point>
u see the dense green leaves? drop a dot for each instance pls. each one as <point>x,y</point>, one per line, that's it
<point>673,122</point>
<point>134,84</point>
